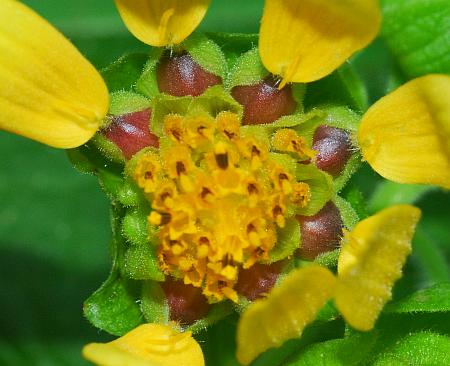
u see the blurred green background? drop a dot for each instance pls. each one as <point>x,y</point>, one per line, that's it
<point>54,222</point>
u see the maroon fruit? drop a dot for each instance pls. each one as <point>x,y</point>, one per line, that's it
<point>258,280</point>
<point>264,102</point>
<point>180,75</point>
<point>334,148</point>
<point>131,133</point>
<point>321,232</point>
<point>186,302</point>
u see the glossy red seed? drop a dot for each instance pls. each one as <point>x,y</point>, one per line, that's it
<point>263,102</point>
<point>131,133</point>
<point>334,148</point>
<point>180,75</point>
<point>258,280</point>
<point>186,302</point>
<point>321,232</point>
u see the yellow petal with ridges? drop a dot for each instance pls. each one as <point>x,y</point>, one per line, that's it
<point>48,91</point>
<point>147,345</point>
<point>284,313</point>
<point>162,22</point>
<point>370,262</point>
<point>305,40</point>
<point>405,136</point>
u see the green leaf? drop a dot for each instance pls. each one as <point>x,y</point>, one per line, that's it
<point>320,184</point>
<point>248,70</point>
<point>206,53</point>
<point>337,352</point>
<point>390,193</point>
<point>153,303</point>
<point>430,254</point>
<point>288,240</point>
<point>123,102</point>
<point>343,87</point>
<point>355,197</point>
<point>220,353</point>
<point>317,332</point>
<point>417,33</point>
<point>432,299</point>
<point>298,93</point>
<point>113,306</point>
<point>123,73</point>
<point>392,328</point>
<point>424,348</point>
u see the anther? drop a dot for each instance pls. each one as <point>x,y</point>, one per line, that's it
<point>222,160</point>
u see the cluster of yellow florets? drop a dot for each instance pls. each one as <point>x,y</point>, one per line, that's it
<point>218,196</point>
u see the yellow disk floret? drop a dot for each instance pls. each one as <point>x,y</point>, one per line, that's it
<point>218,198</point>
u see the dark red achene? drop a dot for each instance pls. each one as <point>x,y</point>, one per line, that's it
<point>186,302</point>
<point>179,75</point>
<point>321,232</point>
<point>334,148</point>
<point>263,102</point>
<point>131,133</point>
<point>258,280</point>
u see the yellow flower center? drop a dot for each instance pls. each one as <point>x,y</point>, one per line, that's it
<point>218,197</point>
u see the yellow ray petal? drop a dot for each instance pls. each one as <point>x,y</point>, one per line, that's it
<point>147,345</point>
<point>405,136</point>
<point>371,260</point>
<point>305,40</point>
<point>48,91</point>
<point>284,313</point>
<point>162,22</point>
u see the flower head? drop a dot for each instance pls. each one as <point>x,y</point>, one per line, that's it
<point>218,197</point>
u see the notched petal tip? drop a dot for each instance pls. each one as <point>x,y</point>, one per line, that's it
<point>305,40</point>
<point>148,344</point>
<point>48,91</point>
<point>162,22</point>
<point>405,136</point>
<point>370,262</point>
<point>284,313</point>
